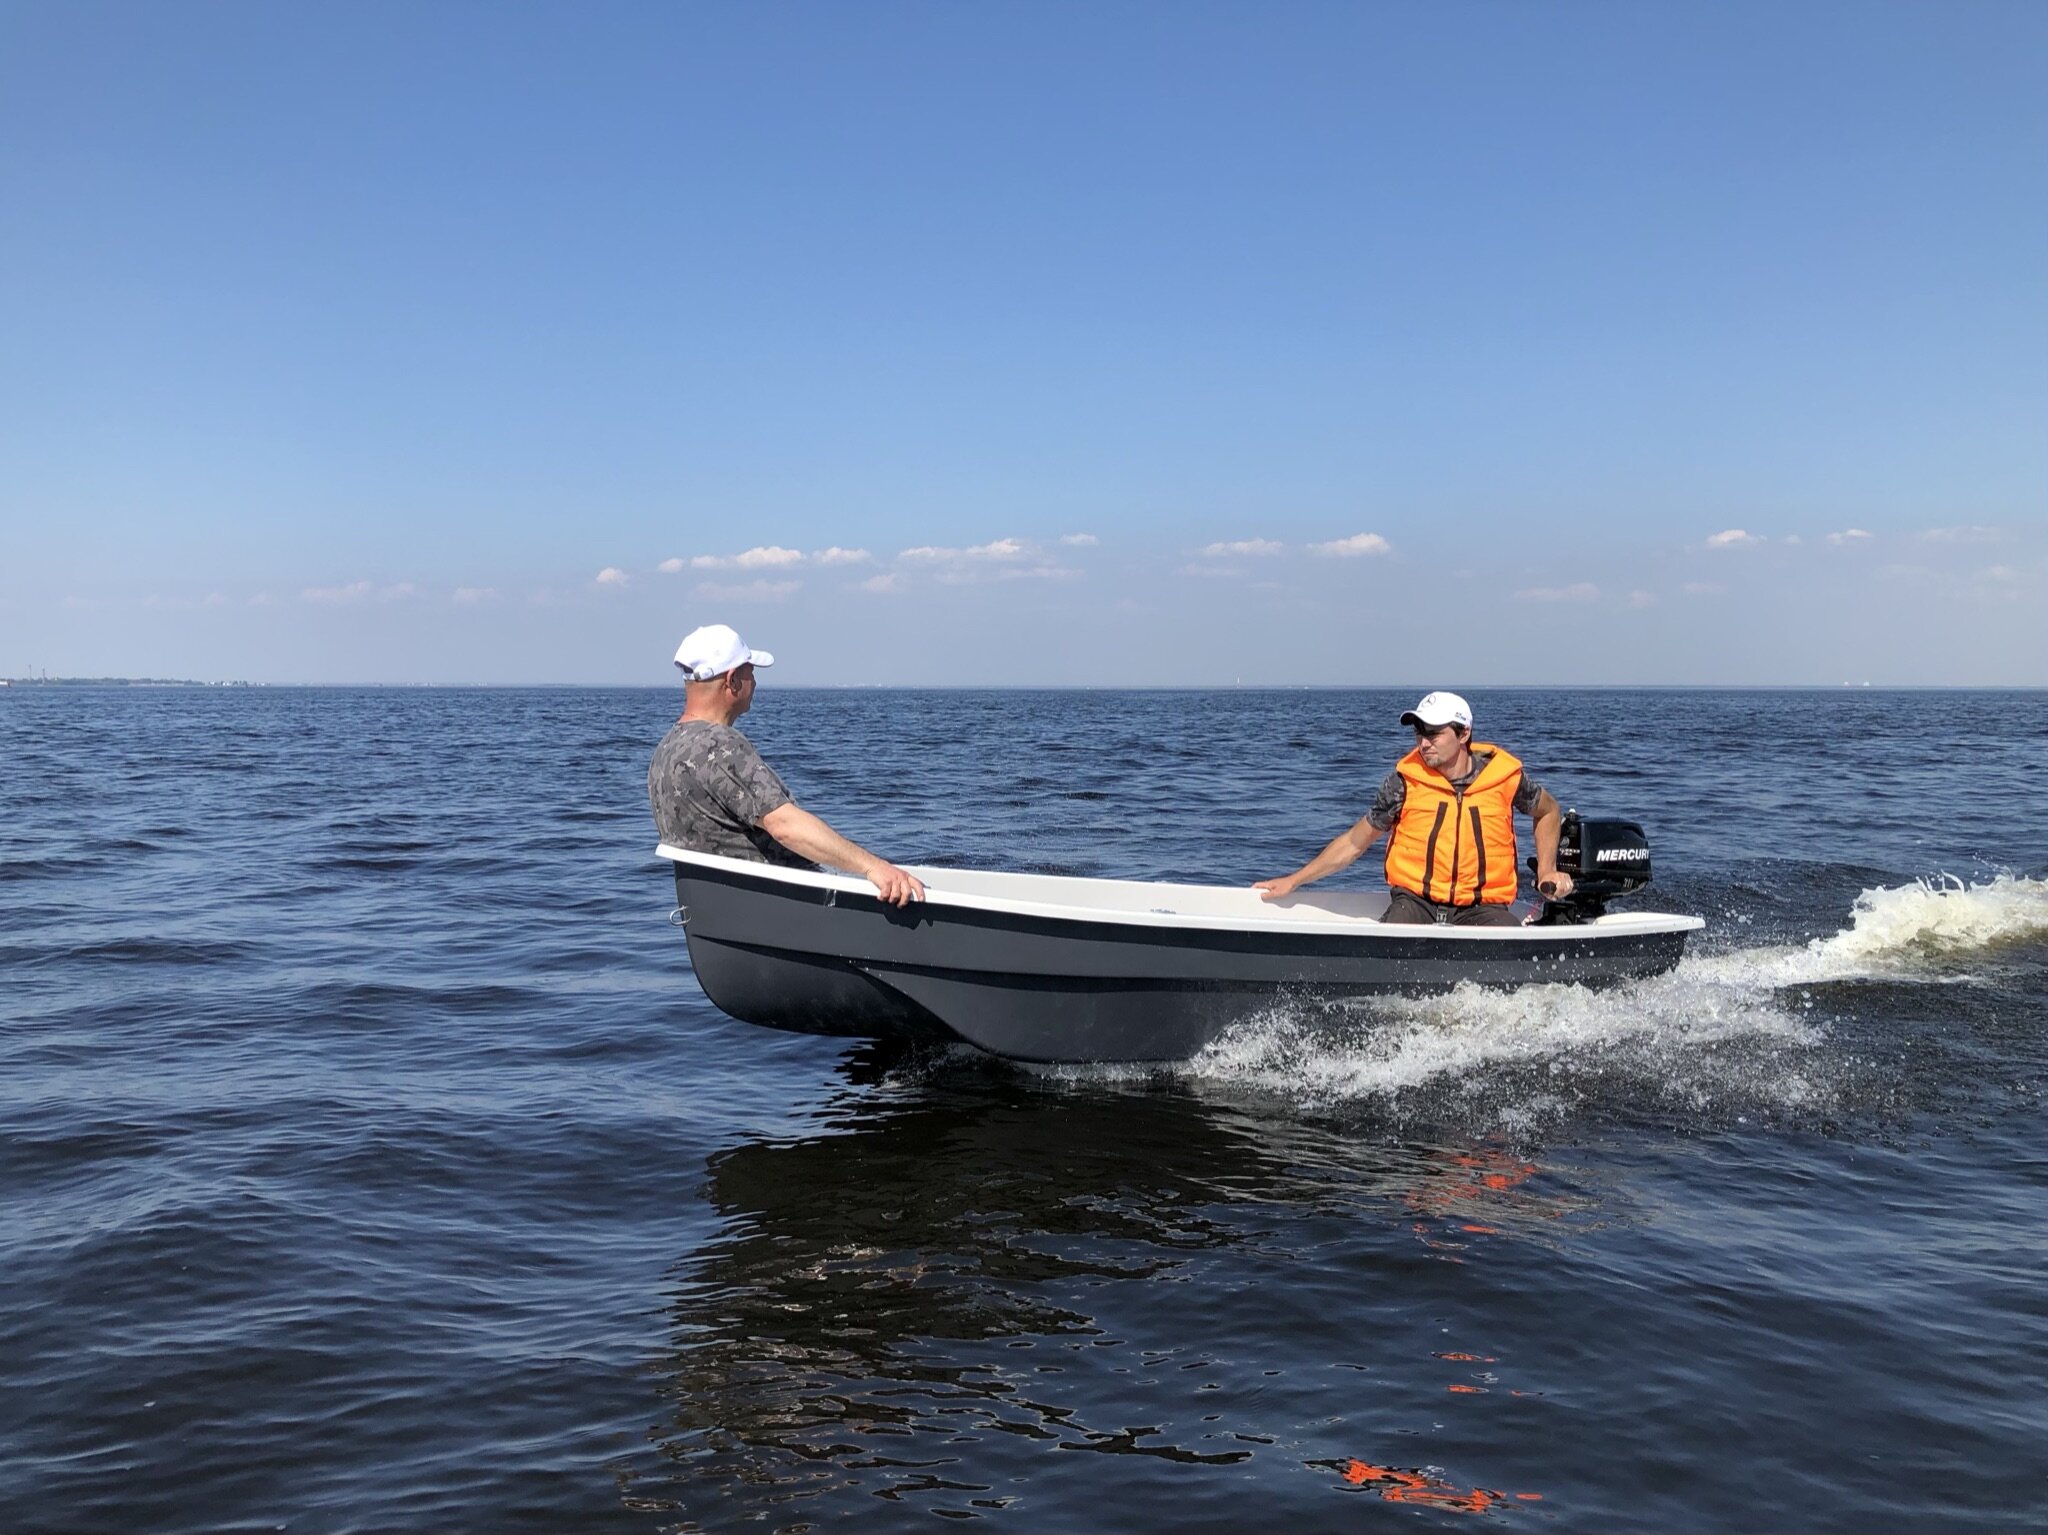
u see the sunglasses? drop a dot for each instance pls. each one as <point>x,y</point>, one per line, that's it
<point>1425,732</point>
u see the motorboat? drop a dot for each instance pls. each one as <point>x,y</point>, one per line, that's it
<point>1046,967</point>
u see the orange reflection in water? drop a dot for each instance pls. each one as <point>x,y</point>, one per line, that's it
<point>1443,1203</point>
<point>1417,1487</point>
<point>1486,1171</point>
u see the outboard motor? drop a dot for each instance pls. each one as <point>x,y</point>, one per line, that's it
<point>1604,858</point>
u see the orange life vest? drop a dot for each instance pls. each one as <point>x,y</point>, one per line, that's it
<point>1452,848</point>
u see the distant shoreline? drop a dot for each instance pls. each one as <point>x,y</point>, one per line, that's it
<point>124,682</point>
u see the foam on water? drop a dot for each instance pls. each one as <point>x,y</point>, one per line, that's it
<point>1930,929</point>
<point>1672,1025</point>
<point>1719,1027</point>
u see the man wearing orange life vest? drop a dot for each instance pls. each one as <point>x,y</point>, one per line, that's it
<point>1451,806</point>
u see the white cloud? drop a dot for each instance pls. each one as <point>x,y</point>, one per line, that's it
<point>838,556</point>
<point>611,575</point>
<point>1705,589</point>
<point>1847,536</point>
<point>891,581</point>
<point>980,562</point>
<point>1733,538</point>
<point>263,600</point>
<point>1969,535</point>
<point>973,575</point>
<point>1259,546</point>
<point>1079,540</point>
<point>358,591</point>
<point>1794,538</point>
<point>1641,599</point>
<point>765,557</point>
<point>670,566</point>
<point>336,596</point>
<point>1581,591</point>
<point>751,591</point>
<point>999,549</point>
<point>468,595</point>
<point>1355,545</point>
<point>2002,575</point>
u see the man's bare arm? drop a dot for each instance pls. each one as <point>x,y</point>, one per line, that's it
<point>803,833</point>
<point>1548,822</point>
<point>1344,850</point>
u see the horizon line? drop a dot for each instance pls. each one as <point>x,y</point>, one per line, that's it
<point>1064,687</point>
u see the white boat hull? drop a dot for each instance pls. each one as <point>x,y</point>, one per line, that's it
<point>1045,968</point>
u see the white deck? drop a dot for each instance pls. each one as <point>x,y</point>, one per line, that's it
<point>1139,903</point>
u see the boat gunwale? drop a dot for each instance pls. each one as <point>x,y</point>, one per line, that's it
<point>1277,922</point>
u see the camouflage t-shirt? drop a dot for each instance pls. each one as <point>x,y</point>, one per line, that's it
<point>710,788</point>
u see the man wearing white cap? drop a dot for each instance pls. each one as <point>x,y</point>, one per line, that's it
<point>1450,806</point>
<point>711,791</point>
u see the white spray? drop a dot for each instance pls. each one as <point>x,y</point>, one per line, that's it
<point>1719,1025</point>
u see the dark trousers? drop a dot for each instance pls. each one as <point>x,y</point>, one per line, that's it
<point>1406,906</point>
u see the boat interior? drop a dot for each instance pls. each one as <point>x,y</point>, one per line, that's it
<point>1142,902</point>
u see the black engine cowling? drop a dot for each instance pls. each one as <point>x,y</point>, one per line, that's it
<point>1605,859</point>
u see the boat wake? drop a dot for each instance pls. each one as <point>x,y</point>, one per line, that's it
<point>1931,930</point>
<point>1743,1031</point>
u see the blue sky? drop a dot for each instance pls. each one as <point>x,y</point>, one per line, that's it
<point>1181,343</point>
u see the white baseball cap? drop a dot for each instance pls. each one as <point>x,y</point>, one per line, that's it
<point>1438,710</point>
<point>714,650</point>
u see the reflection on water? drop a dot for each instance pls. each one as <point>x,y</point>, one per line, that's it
<point>1414,1486</point>
<point>925,1301</point>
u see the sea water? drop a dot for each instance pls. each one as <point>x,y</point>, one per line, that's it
<point>369,1159</point>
